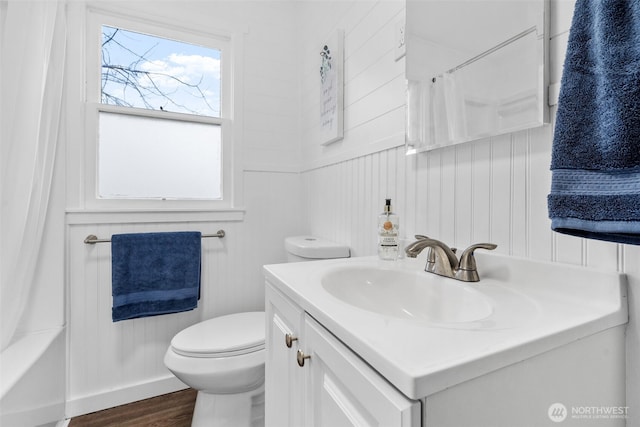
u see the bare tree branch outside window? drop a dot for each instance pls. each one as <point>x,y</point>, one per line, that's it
<point>159,74</point>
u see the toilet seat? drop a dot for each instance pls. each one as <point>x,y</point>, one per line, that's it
<point>224,336</point>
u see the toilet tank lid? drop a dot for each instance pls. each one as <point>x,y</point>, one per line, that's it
<point>225,335</point>
<point>315,248</point>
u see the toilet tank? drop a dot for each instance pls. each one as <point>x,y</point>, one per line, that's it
<point>309,248</point>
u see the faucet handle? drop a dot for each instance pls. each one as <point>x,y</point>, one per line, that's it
<point>467,269</point>
<point>420,237</point>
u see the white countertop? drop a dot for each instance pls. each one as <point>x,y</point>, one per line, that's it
<point>537,306</point>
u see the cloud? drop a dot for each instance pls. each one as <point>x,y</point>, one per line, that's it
<point>197,63</point>
<point>170,75</point>
<point>176,68</point>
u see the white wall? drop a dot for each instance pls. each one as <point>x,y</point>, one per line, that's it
<point>115,363</point>
<point>374,82</point>
<point>492,190</point>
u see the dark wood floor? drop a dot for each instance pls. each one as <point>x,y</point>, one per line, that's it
<point>174,409</point>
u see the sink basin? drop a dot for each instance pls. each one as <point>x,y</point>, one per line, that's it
<point>407,294</point>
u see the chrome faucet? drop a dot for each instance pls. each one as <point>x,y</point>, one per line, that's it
<point>442,259</point>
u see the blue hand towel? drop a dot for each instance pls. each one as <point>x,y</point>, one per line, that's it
<point>595,190</point>
<point>154,273</point>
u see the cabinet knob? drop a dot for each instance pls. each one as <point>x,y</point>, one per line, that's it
<point>302,357</point>
<point>289,339</point>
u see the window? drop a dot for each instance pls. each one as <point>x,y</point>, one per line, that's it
<point>161,116</point>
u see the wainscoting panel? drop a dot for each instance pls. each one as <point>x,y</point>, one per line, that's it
<point>344,199</point>
<point>494,190</point>
<point>106,357</point>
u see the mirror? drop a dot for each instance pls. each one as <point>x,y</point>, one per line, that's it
<point>474,69</point>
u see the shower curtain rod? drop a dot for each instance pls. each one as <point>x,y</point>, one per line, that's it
<point>92,239</point>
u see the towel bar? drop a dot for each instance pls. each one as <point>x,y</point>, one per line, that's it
<point>92,239</point>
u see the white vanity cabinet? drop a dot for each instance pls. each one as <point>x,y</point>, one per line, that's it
<point>333,387</point>
<point>551,347</point>
<point>283,377</point>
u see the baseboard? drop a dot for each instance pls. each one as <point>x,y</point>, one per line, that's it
<point>112,398</point>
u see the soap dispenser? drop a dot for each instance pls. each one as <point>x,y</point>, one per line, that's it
<point>388,223</point>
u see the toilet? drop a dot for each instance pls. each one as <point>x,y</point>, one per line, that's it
<point>223,358</point>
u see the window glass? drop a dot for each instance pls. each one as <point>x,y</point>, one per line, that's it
<point>154,158</point>
<point>155,73</point>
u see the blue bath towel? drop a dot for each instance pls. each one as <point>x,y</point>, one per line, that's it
<point>154,273</point>
<point>595,191</point>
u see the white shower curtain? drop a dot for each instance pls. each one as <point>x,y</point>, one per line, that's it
<point>32,58</point>
<point>455,105</point>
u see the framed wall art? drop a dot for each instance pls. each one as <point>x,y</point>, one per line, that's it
<point>331,83</point>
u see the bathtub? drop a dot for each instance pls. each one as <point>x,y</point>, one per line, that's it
<point>32,388</point>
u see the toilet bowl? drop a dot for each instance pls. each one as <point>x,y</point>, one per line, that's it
<point>223,359</point>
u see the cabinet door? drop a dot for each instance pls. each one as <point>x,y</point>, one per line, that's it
<point>342,390</point>
<point>283,376</point>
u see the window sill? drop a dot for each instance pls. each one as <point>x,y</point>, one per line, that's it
<point>132,216</point>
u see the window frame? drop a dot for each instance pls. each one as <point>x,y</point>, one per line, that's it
<point>230,54</point>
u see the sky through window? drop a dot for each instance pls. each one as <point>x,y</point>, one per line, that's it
<point>144,71</point>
